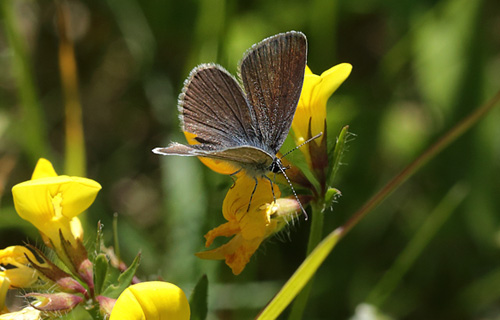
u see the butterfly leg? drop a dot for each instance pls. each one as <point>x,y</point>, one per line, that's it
<point>272,185</point>
<point>251,196</point>
<point>236,172</point>
<point>232,176</point>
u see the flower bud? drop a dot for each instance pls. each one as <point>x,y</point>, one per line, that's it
<point>61,302</point>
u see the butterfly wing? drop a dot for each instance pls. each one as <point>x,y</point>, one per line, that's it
<point>248,157</point>
<point>272,73</point>
<point>246,130</point>
<point>213,107</point>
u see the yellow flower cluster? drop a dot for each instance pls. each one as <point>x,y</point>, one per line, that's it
<point>249,228</point>
<point>52,203</point>
<point>18,275</point>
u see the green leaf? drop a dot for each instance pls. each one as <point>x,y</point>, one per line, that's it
<point>336,155</point>
<point>300,278</point>
<point>100,272</point>
<point>198,300</point>
<point>124,280</point>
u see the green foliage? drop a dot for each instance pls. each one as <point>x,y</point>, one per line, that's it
<point>198,301</point>
<point>100,272</point>
<point>337,154</point>
<point>123,281</point>
<point>300,278</point>
<point>418,67</point>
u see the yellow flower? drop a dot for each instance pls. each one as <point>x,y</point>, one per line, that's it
<point>51,203</point>
<point>18,274</point>
<point>151,300</point>
<point>311,110</point>
<point>251,227</point>
<point>27,313</point>
<point>4,287</point>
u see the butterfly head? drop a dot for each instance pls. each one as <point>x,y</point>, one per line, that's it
<point>276,166</point>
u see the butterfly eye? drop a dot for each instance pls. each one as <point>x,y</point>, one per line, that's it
<point>276,166</point>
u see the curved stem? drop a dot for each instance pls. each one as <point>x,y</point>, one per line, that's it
<point>75,146</point>
<point>315,236</point>
<point>428,154</point>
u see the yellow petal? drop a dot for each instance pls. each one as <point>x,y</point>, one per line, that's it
<point>33,199</point>
<point>227,229</point>
<point>27,313</point>
<point>152,300</point>
<point>308,70</point>
<point>332,79</point>
<point>78,195</point>
<point>20,275</point>
<point>306,112</point>
<point>321,91</point>
<point>249,227</point>
<point>76,228</point>
<point>4,287</point>
<point>219,166</point>
<point>43,169</point>
<point>221,252</point>
<point>237,198</point>
<point>311,108</point>
<point>237,252</point>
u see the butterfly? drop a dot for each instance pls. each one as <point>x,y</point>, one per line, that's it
<point>244,125</point>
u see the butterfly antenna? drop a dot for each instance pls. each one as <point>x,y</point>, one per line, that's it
<point>293,190</point>
<point>303,143</point>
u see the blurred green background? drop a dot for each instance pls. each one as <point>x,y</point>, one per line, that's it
<point>419,67</point>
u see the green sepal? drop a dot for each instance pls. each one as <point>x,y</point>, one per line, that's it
<point>331,195</point>
<point>99,240</point>
<point>199,299</point>
<point>335,157</point>
<point>123,281</point>
<point>100,271</point>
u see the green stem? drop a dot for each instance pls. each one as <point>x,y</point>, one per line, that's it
<point>74,140</point>
<point>316,233</point>
<point>95,312</point>
<point>300,278</point>
<point>315,236</point>
<point>30,128</point>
